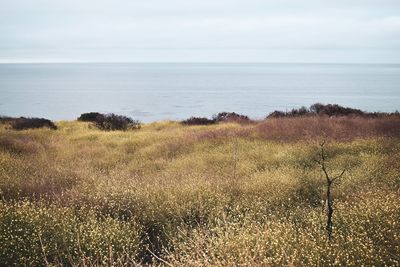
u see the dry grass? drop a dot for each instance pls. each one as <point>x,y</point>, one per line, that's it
<point>169,193</point>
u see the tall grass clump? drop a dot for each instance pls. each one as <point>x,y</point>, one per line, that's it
<point>35,234</point>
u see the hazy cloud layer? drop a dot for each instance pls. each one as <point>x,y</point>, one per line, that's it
<point>207,30</point>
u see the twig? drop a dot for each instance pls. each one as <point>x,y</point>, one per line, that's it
<point>43,251</point>
<point>158,258</point>
<point>235,158</point>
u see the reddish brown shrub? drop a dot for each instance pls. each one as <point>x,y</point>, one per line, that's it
<point>338,128</point>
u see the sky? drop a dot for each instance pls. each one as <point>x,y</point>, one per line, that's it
<point>311,31</point>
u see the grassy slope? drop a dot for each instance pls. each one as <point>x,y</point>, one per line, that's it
<point>81,196</point>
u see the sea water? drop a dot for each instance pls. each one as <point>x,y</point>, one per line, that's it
<point>173,91</point>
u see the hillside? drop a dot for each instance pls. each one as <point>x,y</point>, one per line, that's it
<point>226,194</point>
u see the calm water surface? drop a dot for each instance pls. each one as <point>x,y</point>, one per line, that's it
<point>158,91</point>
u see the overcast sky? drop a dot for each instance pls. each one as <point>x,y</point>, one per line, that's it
<point>200,31</point>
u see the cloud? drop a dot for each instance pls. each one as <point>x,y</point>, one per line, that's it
<point>78,30</point>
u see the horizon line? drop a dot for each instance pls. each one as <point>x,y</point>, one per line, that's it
<point>196,62</point>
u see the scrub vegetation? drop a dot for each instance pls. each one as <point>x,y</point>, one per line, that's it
<point>110,122</point>
<point>329,110</point>
<point>226,194</point>
<point>23,123</point>
<point>217,118</point>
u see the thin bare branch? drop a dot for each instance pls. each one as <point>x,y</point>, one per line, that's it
<point>158,258</point>
<point>339,176</point>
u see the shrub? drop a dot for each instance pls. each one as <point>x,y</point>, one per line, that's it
<point>300,112</point>
<point>31,123</point>
<point>112,122</point>
<point>276,114</point>
<point>198,121</point>
<point>220,117</point>
<point>334,110</point>
<point>5,119</point>
<point>230,117</point>
<point>90,116</point>
<point>330,110</point>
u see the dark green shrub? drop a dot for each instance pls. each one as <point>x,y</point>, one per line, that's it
<point>230,117</point>
<point>334,110</point>
<point>220,117</point>
<point>110,122</point>
<point>276,114</point>
<point>330,110</point>
<point>31,123</point>
<point>113,122</point>
<point>198,121</point>
<point>90,116</point>
<point>5,119</point>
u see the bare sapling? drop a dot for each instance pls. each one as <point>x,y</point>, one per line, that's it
<point>330,180</point>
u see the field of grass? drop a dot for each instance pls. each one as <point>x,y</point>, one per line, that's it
<point>219,195</point>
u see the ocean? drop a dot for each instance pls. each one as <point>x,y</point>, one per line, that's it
<point>174,91</point>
